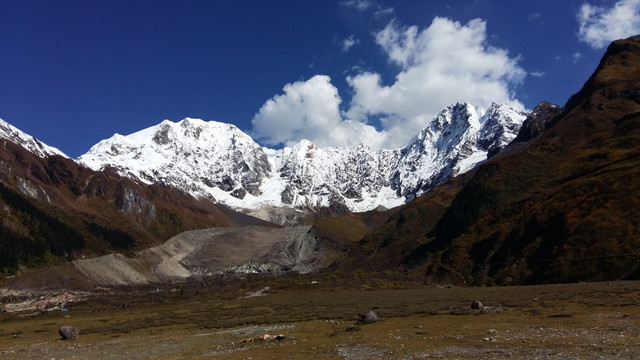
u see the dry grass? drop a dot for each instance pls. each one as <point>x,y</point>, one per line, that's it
<point>553,321</point>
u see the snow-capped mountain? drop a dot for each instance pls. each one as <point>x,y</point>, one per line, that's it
<point>13,134</point>
<point>209,159</point>
<point>457,139</point>
<point>219,161</point>
<point>358,178</point>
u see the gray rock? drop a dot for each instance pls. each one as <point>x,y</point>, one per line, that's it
<point>369,318</point>
<point>68,332</point>
<point>477,305</point>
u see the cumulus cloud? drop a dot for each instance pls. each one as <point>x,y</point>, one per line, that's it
<point>537,73</point>
<point>308,110</point>
<point>601,25</point>
<point>440,65</point>
<point>437,66</point>
<point>349,42</point>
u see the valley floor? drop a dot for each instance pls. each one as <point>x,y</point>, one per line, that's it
<point>191,321</point>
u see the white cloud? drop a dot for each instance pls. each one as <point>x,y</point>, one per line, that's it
<point>361,5</point>
<point>576,57</point>
<point>534,17</point>
<point>308,110</point>
<point>537,73</point>
<point>349,42</point>
<point>364,5</point>
<point>382,12</point>
<point>600,25</point>
<point>440,65</point>
<point>437,66</point>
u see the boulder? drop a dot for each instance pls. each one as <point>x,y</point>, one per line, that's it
<point>477,305</point>
<point>369,318</point>
<point>68,332</point>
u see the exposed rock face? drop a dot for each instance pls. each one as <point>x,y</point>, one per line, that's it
<point>32,190</point>
<point>130,201</point>
<point>538,120</point>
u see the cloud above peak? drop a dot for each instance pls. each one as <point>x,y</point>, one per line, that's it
<point>440,65</point>
<point>309,110</point>
<point>437,66</point>
<point>600,25</point>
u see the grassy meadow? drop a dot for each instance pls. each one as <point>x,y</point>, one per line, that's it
<point>320,320</point>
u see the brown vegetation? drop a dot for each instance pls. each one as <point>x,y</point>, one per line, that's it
<point>216,319</point>
<point>54,209</point>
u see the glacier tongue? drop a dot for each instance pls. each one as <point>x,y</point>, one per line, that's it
<point>218,161</point>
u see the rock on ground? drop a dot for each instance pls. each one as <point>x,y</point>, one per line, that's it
<point>68,332</point>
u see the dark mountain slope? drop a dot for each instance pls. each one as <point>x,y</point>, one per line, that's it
<point>53,209</point>
<point>560,204</point>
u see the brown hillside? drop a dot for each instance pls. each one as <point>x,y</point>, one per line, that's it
<point>560,204</point>
<point>54,206</point>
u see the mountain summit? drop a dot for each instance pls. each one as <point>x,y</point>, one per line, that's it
<point>220,162</point>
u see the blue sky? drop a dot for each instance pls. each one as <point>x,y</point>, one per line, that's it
<point>335,72</point>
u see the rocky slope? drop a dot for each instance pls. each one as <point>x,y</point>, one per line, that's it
<point>228,250</point>
<point>218,161</point>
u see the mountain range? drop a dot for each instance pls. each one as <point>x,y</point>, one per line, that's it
<point>219,162</point>
<point>479,196</point>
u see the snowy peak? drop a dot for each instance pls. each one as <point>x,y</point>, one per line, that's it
<point>205,158</point>
<point>456,140</point>
<point>15,135</point>
<point>357,178</point>
<point>218,161</point>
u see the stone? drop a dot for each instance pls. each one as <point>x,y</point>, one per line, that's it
<point>477,305</point>
<point>369,318</point>
<point>68,332</point>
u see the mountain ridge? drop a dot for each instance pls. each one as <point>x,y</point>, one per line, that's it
<point>218,161</point>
